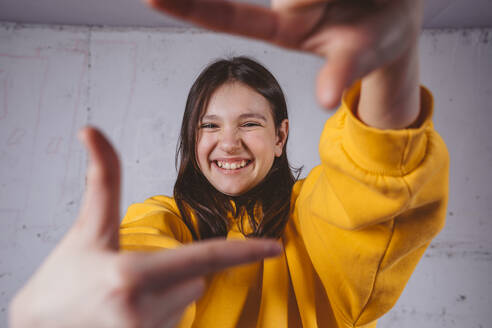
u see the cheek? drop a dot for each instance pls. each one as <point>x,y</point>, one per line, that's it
<point>262,145</point>
<point>204,146</point>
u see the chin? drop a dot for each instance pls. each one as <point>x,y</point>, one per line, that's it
<point>233,191</point>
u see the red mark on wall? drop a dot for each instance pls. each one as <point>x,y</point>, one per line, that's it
<point>54,145</point>
<point>16,137</point>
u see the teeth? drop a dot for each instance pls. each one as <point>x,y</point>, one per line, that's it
<point>232,166</point>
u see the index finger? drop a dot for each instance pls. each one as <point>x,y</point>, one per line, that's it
<point>224,16</point>
<point>161,269</point>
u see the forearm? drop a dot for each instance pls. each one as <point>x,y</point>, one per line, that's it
<point>390,96</point>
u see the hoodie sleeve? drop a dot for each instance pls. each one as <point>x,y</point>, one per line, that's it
<point>369,211</point>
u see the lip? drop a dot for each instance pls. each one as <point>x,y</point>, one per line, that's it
<point>231,159</point>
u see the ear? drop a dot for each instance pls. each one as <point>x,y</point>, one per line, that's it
<point>282,133</point>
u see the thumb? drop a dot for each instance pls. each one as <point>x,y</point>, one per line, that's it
<point>99,215</point>
<point>335,76</point>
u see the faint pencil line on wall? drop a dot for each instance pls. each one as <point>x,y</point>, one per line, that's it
<point>4,96</point>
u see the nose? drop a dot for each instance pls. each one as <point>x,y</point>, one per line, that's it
<point>230,141</point>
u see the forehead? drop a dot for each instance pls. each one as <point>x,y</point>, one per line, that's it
<point>234,99</point>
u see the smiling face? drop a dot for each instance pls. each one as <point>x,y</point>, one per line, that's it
<point>237,140</point>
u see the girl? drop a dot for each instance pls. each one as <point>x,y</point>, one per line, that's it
<point>355,228</point>
<point>352,231</point>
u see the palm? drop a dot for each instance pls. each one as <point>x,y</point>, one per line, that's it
<point>355,36</point>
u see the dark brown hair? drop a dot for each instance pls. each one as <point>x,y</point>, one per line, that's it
<point>267,205</point>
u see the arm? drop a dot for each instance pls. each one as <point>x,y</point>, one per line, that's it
<point>390,95</point>
<point>367,214</point>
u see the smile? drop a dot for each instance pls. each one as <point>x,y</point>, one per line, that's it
<point>236,165</point>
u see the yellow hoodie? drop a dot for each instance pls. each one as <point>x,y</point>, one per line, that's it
<point>359,224</point>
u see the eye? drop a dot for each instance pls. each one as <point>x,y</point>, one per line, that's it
<point>250,124</point>
<point>208,126</point>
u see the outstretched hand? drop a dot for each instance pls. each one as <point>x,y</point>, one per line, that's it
<point>355,37</point>
<point>86,282</point>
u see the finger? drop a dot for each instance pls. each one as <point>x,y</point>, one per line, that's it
<point>337,74</point>
<point>164,307</point>
<point>99,215</point>
<point>224,16</point>
<point>293,4</point>
<point>158,270</point>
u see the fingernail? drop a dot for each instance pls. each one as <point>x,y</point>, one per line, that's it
<point>80,135</point>
<point>326,99</point>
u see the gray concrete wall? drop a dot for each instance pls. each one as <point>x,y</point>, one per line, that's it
<point>133,85</point>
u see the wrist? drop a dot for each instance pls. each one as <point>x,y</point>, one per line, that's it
<point>390,95</point>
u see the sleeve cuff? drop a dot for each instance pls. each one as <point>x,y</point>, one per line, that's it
<point>388,152</point>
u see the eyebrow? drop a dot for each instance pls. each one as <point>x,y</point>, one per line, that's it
<point>242,116</point>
